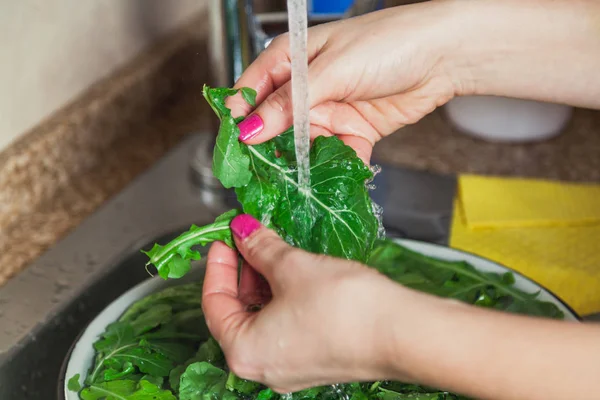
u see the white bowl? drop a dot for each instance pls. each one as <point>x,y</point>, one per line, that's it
<point>501,119</point>
<point>82,354</point>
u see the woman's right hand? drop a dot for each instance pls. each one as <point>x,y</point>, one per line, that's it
<point>373,74</point>
<point>368,76</point>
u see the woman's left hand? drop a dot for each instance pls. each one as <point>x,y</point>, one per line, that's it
<point>324,321</point>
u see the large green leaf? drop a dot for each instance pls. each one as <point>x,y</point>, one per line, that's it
<point>334,217</point>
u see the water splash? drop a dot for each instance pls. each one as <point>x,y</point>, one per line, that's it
<point>339,392</point>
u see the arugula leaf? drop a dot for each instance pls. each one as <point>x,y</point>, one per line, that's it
<point>230,163</point>
<point>159,314</point>
<point>174,351</point>
<point>173,259</point>
<point>236,384</point>
<point>73,384</point>
<point>179,298</point>
<point>126,390</point>
<point>249,95</point>
<point>209,351</point>
<point>148,361</point>
<point>458,280</point>
<point>204,381</point>
<point>112,374</point>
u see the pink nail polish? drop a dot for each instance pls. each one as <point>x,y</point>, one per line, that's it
<point>244,225</point>
<point>250,127</point>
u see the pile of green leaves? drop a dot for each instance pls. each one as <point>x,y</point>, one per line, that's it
<point>161,349</point>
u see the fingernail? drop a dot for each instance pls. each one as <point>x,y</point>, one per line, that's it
<point>244,225</point>
<point>250,127</point>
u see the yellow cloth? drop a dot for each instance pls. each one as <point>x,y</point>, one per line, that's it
<point>549,232</point>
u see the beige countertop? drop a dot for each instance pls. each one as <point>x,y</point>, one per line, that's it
<point>63,171</point>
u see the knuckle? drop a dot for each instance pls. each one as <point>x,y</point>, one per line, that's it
<point>279,101</point>
<point>263,245</point>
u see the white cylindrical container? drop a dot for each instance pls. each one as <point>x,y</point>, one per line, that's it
<point>501,119</point>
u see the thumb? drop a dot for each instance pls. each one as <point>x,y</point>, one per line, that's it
<point>276,109</point>
<point>261,247</point>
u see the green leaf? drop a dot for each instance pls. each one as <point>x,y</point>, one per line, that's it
<point>249,95</point>
<point>159,314</point>
<point>458,280</point>
<point>236,384</point>
<point>73,384</point>
<point>174,351</point>
<point>265,394</point>
<point>148,361</point>
<point>335,217</point>
<point>126,390</point>
<point>111,374</point>
<point>182,297</point>
<point>202,381</point>
<point>173,259</point>
<point>230,163</point>
<point>210,351</point>
<point>117,338</point>
<point>216,99</point>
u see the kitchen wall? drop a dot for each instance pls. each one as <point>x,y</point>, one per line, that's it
<point>51,51</point>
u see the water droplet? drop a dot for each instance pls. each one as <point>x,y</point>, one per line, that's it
<point>375,169</point>
<point>378,212</point>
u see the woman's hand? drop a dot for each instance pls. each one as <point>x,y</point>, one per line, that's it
<point>371,75</point>
<point>368,77</point>
<point>324,320</point>
<point>328,321</point>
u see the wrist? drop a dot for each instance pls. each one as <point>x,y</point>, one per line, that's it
<point>421,326</point>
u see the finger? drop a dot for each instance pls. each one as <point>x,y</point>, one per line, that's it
<point>222,308</point>
<point>269,71</point>
<point>272,68</point>
<point>275,114</point>
<point>346,119</point>
<point>362,146</point>
<point>261,247</point>
<point>254,289</point>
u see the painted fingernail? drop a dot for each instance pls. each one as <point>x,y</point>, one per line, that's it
<point>244,225</point>
<point>250,127</point>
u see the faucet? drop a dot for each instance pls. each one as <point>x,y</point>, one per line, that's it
<point>238,35</point>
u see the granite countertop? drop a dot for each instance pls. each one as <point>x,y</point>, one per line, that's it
<point>62,172</point>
